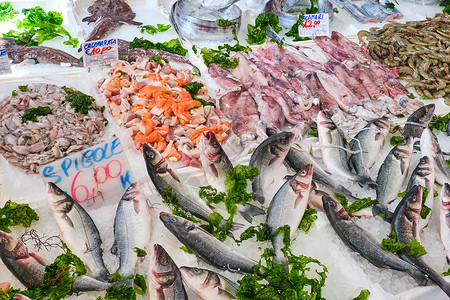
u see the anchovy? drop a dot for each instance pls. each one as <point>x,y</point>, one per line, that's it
<point>206,246</point>
<point>78,230</point>
<point>288,206</point>
<point>429,146</point>
<point>165,277</point>
<point>364,243</point>
<point>418,121</point>
<point>445,218</point>
<point>405,224</point>
<point>423,175</point>
<point>216,165</point>
<point>333,151</point>
<point>208,284</point>
<point>267,157</point>
<point>131,228</point>
<point>369,141</point>
<point>392,174</point>
<point>163,177</point>
<point>27,267</point>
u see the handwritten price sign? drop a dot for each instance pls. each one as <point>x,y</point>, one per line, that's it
<point>93,177</point>
<point>5,67</point>
<point>100,52</point>
<point>315,25</point>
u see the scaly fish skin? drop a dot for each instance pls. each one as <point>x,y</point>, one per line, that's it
<point>429,146</point>
<point>165,277</point>
<point>418,120</point>
<point>208,284</point>
<point>444,217</point>
<point>364,243</point>
<point>27,267</point>
<point>78,230</point>
<point>206,246</point>
<point>131,228</point>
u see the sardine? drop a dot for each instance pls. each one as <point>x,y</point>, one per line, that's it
<point>78,230</point>
<point>131,228</point>
<point>216,165</point>
<point>165,277</point>
<point>423,175</point>
<point>429,146</point>
<point>206,246</point>
<point>267,157</point>
<point>418,121</point>
<point>392,174</point>
<point>288,206</point>
<point>364,243</point>
<point>369,141</point>
<point>208,284</point>
<point>27,267</point>
<point>444,212</point>
<point>405,223</point>
<point>333,152</point>
<point>164,177</point>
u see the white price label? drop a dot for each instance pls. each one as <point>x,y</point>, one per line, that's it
<point>5,67</point>
<point>314,25</point>
<point>100,52</point>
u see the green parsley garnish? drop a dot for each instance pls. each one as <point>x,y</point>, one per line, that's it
<point>7,12</point>
<point>193,87</point>
<point>313,132</point>
<point>335,10</point>
<point>446,5</point>
<point>159,60</point>
<point>356,205</point>
<point>14,93</point>
<point>23,88</point>
<point>172,46</point>
<point>396,139</point>
<point>186,250</point>
<point>140,252</point>
<point>425,97</point>
<point>123,291</point>
<point>363,295</point>
<point>150,29</point>
<point>446,273</point>
<point>257,33</point>
<point>221,56</point>
<point>308,219</point>
<point>80,102</point>
<point>389,5</point>
<point>13,214</point>
<point>170,198</point>
<point>32,113</point>
<point>411,95</point>
<point>390,244</point>
<point>439,122</point>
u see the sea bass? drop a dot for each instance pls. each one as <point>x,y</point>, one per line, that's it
<point>165,277</point>
<point>364,243</point>
<point>392,174</point>
<point>206,246</point>
<point>208,284</point>
<point>26,266</point>
<point>288,206</point>
<point>444,218</point>
<point>418,121</point>
<point>78,230</point>
<point>429,146</point>
<point>267,157</point>
<point>405,223</point>
<point>333,152</point>
<point>131,228</point>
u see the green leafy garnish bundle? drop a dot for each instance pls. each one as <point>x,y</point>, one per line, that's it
<point>79,101</point>
<point>172,46</point>
<point>13,214</point>
<point>446,5</point>
<point>159,60</point>
<point>32,113</point>
<point>123,291</point>
<point>39,26</point>
<point>355,206</point>
<point>439,122</point>
<point>390,244</point>
<point>257,33</point>
<point>193,88</point>
<point>363,295</point>
<point>150,29</point>
<point>140,252</point>
<point>7,12</point>
<point>396,139</point>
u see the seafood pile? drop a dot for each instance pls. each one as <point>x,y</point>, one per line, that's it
<point>28,144</point>
<point>371,11</point>
<point>273,84</point>
<point>151,101</point>
<point>418,49</point>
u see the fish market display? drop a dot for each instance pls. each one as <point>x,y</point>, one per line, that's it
<point>43,122</point>
<point>39,54</point>
<point>108,15</point>
<point>165,277</point>
<point>151,101</point>
<point>370,11</point>
<point>208,284</point>
<point>418,49</point>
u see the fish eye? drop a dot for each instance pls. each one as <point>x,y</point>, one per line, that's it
<point>303,173</point>
<point>190,227</point>
<point>164,260</point>
<point>197,271</point>
<point>3,240</point>
<point>173,220</point>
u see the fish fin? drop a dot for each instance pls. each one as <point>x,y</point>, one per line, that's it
<point>379,136</point>
<point>136,205</point>
<point>367,182</point>
<point>274,159</point>
<point>258,197</point>
<point>214,170</point>
<point>173,174</point>
<point>448,260</point>
<point>249,211</point>
<point>403,166</point>
<point>68,220</point>
<point>114,249</point>
<point>38,258</point>
<point>226,295</point>
<point>287,177</point>
<point>377,209</point>
<point>235,226</point>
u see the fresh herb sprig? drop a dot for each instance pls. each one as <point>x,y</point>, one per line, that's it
<point>150,29</point>
<point>363,295</point>
<point>7,12</point>
<point>79,101</point>
<point>172,46</point>
<point>257,33</point>
<point>13,214</point>
<point>390,244</point>
<point>31,114</point>
<point>439,122</point>
<point>124,291</point>
<point>356,205</point>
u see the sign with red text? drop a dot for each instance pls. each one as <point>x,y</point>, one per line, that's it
<point>5,67</point>
<point>314,25</point>
<point>94,177</point>
<point>100,52</point>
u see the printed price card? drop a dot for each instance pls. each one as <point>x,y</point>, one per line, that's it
<point>5,67</point>
<point>315,25</point>
<point>94,177</point>
<point>100,52</point>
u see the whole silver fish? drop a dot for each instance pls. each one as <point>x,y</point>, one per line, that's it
<point>405,223</point>
<point>288,206</point>
<point>164,177</point>
<point>165,277</point>
<point>27,267</point>
<point>444,218</point>
<point>267,157</point>
<point>206,246</point>
<point>208,284</point>
<point>87,284</point>
<point>216,165</point>
<point>430,147</point>
<point>392,174</point>
<point>78,230</point>
<point>418,121</point>
<point>333,152</point>
<point>423,175</point>
<point>364,243</point>
<point>369,141</point>
<point>131,228</point>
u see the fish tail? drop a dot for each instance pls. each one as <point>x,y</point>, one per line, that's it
<point>382,209</point>
<point>437,278</point>
<point>249,211</point>
<point>367,182</point>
